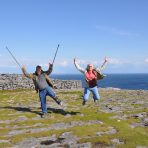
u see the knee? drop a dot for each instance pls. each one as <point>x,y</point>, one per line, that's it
<point>96,96</point>
<point>85,97</point>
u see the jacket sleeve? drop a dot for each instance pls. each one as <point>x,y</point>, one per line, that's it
<point>79,68</point>
<point>26,74</point>
<point>49,71</point>
<point>102,67</point>
<point>48,80</point>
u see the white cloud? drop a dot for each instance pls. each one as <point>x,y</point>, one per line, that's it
<point>115,61</point>
<point>8,66</point>
<point>121,32</point>
<point>82,61</point>
<point>116,31</point>
<point>7,63</point>
<point>63,63</point>
<point>69,63</point>
<point>85,62</point>
<point>146,60</point>
<point>95,62</point>
<point>128,62</point>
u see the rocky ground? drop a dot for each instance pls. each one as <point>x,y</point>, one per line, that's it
<point>119,120</point>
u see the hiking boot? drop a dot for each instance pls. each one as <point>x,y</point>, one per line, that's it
<point>96,102</point>
<point>84,102</point>
<point>58,101</point>
<point>44,115</point>
<point>61,103</point>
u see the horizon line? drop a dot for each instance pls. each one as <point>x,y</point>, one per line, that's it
<point>78,73</point>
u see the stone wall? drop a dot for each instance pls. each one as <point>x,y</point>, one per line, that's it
<point>18,81</point>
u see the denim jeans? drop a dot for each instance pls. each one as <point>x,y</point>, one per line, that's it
<point>42,94</point>
<point>94,91</point>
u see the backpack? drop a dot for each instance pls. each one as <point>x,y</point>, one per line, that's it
<point>100,76</point>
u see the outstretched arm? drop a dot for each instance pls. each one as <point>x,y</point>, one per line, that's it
<point>103,65</point>
<point>26,74</point>
<point>49,71</point>
<point>78,66</point>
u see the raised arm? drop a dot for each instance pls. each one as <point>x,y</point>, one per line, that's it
<point>78,66</point>
<point>102,67</point>
<point>49,71</point>
<point>26,74</point>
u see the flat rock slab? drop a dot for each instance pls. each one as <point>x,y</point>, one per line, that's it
<point>64,140</point>
<point>56,126</point>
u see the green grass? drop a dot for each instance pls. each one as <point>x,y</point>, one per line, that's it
<point>5,145</point>
<point>18,103</point>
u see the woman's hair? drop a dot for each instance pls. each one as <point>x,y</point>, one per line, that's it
<point>89,66</point>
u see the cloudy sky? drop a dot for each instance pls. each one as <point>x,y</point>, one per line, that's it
<point>86,29</point>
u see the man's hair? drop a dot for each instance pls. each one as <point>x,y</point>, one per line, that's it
<point>38,67</point>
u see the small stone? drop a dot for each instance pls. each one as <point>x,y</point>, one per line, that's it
<point>4,141</point>
<point>117,141</point>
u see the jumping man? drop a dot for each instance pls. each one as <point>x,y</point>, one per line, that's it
<point>43,85</point>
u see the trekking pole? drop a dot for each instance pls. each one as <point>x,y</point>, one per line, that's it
<point>55,54</point>
<point>104,62</point>
<point>13,57</point>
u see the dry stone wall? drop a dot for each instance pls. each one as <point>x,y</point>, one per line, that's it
<point>18,81</point>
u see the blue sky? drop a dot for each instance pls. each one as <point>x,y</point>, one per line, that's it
<point>86,29</point>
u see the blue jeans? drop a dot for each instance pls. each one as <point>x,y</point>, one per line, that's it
<point>94,91</point>
<point>42,94</point>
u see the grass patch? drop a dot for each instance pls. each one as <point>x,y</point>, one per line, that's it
<point>5,145</point>
<point>24,103</point>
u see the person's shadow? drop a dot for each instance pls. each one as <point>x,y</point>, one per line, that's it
<point>61,111</point>
<point>21,109</point>
<point>27,109</point>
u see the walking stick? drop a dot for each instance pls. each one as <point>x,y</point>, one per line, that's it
<point>55,54</point>
<point>104,62</point>
<point>13,57</point>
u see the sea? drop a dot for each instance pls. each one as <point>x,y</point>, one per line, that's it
<point>121,81</point>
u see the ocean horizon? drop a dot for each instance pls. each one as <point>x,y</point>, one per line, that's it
<point>132,81</point>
